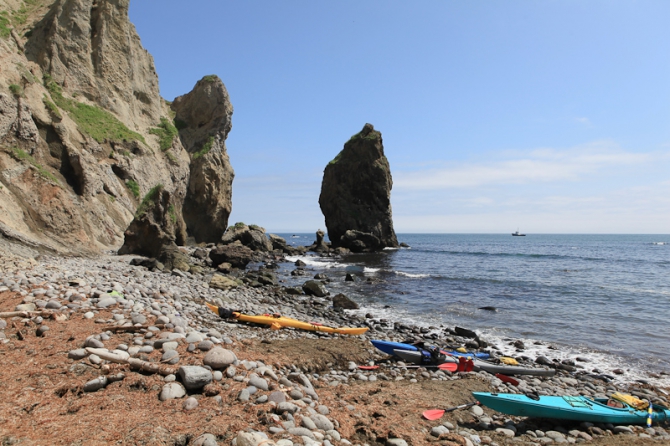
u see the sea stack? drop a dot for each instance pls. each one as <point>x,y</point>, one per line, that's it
<point>356,195</point>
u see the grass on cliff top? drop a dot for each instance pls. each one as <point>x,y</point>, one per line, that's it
<point>97,123</point>
<point>21,155</point>
<point>149,200</point>
<point>166,133</point>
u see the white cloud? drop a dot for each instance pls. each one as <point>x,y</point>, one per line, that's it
<point>537,166</point>
<point>583,120</point>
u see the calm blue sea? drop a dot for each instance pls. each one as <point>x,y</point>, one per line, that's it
<point>603,296</point>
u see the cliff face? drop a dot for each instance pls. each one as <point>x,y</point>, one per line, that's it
<point>85,135</point>
<point>356,195</point>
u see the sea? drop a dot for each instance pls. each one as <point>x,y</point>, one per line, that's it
<point>600,298</point>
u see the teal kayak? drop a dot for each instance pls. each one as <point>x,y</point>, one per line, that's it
<point>576,408</point>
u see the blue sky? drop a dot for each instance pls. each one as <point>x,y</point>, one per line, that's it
<point>547,116</point>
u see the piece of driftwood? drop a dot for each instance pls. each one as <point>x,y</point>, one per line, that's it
<point>151,367</point>
<point>119,357</point>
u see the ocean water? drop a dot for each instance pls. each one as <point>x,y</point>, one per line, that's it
<point>601,297</point>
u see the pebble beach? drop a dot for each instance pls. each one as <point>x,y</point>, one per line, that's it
<point>101,329</point>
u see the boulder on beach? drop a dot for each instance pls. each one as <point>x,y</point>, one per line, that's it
<point>251,236</point>
<point>356,195</point>
<point>342,301</point>
<point>237,255</point>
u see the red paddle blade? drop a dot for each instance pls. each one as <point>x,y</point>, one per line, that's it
<point>507,379</point>
<point>451,366</point>
<point>368,367</point>
<point>433,414</point>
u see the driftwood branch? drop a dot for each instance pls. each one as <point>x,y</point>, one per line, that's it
<point>151,367</point>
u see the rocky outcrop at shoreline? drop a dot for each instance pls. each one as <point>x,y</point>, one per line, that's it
<point>102,330</point>
<point>356,195</point>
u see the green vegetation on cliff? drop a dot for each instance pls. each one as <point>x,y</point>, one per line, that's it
<point>166,133</point>
<point>205,148</point>
<point>5,29</point>
<point>133,187</point>
<point>97,123</point>
<point>21,155</point>
<point>148,200</point>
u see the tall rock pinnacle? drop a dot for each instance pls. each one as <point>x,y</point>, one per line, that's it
<point>356,195</point>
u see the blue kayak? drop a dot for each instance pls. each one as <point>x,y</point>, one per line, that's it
<point>388,347</point>
<point>578,408</point>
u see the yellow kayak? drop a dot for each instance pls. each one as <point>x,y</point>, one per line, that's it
<point>276,322</point>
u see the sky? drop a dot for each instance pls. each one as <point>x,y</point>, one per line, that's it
<point>542,116</point>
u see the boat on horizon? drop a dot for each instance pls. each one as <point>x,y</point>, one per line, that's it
<point>518,234</point>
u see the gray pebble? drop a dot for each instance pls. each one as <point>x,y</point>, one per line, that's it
<point>95,384</point>
<point>170,357</point>
<point>190,403</point>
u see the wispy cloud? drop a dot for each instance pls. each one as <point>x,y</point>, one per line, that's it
<point>541,165</point>
<point>584,121</point>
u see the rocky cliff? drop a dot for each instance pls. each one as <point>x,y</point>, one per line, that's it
<point>85,136</point>
<point>356,195</point>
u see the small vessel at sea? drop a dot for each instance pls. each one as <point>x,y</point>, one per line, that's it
<point>518,234</point>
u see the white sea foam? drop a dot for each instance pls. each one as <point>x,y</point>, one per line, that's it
<point>411,275</point>
<point>659,243</point>
<point>368,270</point>
<point>317,262</point>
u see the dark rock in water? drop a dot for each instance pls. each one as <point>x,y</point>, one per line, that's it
<point>464,332</point>
<point>350,278</point>
<point>295,291</point>
<point>567,367</point>
<point>298,272</point>
<point>342,301</point>
<point>618,371</point>
<point>488,308</point>
<point>321,276</point>
<point>472,344</point>
<point>543,360</point>
<point>356,195</point>
<point>237,255</point>
<point>404,245</point>
<point>300,263</point>
<point>519,344</point>
<point>482,343</point>
<point>358,241</point>
<point>315,288</point>
<point>320,244</point>
<point>252,236</point>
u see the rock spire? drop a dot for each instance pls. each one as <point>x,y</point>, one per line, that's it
<point>356,195</point>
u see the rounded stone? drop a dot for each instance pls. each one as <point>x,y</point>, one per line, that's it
<point>194,377</point>
<point>190,403</point>
<point>172,390</point>
<point>219,358</point>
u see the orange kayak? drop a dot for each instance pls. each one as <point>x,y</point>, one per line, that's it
<point>276,322</point>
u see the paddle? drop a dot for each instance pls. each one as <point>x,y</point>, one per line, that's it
<point>507,379</point>
<point>434,414</point>
<point>450,366</point>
